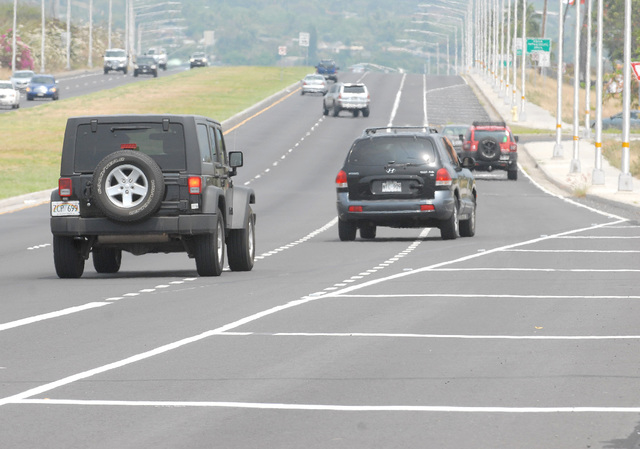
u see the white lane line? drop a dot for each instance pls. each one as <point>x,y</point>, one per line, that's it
<point>572,251</point>
<point>433,336</point>
<point>88,306</point>
<point>297,242</point>
<point>477,295</point>
<point>335,408</point>
<point>548,270</point>
<point>290,150</point>
<point>597,237</point>
<point>47,316</point>
<point>396,103</point>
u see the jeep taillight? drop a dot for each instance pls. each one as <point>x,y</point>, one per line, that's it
<point>64,187</point>
<point>443,178</point>
<point>341,179</point>
<point>195,185</point>
<point>513,146</point>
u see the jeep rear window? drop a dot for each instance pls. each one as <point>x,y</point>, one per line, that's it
<point>393,149</point>
<point>167,148</point>
<point>354,89</point>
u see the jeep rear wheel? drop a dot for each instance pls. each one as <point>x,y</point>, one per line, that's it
<point>512,175</point>
<point>209,250</point>
<point>107,260</point>
<point>489,149</point>
<point>241,246</point>
<point>67,259</point>
<point>128,186</point>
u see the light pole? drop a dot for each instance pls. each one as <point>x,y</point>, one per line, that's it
<point>524,64</point>
<point>587,76</point>
<point>557,149</point>
<point>68,34</point>
<point>597,176</point>
<point>625,180</point>
<point>575,161</point>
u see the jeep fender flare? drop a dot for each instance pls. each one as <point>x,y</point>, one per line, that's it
<point>242,198</point>
<point>212,199</point>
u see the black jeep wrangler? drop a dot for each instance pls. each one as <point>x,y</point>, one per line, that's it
<point>149,184</point>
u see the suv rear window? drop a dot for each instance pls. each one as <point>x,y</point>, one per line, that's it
<point>354,89</point>
<point>501,135</point>
<point>399,150</point>
<point>167,148</point>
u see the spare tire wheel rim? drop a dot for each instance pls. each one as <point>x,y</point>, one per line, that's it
<point>126,186</point>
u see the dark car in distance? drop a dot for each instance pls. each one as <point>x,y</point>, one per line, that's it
<point>405,177</point>
<point>145,65</point>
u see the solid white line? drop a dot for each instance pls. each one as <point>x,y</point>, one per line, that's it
<point>396,103</point>
<point>550,270</point>
<point>476,295</point>
<point>336,408</point>
<point>434,336</point>
<point>570,251</point>
<point>56,314</point>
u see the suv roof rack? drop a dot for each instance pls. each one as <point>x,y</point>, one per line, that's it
<point>397,129</point>
<point>488,123</point>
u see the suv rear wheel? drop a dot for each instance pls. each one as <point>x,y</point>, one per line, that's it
<point>347,230</point>
<point>209,250</point>
<point>368,231</point>
<point>128,185</point>
<point>512,175</point>
<point>241,246</point>
<point>450,228</point>
<point>67,259</point>
<point>468,227</point>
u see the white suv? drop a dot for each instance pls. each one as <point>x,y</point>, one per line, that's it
<point>353,97</point>
<point>160,55</point>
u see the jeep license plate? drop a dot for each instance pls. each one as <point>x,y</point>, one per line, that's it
<point>391,187</point>
<point>504,157</point>
<point>65,208</point>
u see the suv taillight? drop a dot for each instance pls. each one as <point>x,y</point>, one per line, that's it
<point>341,179</point>
<point>443,178</point>
<point>195,185</point>
<point>64,187</point>
<point>513,146</point>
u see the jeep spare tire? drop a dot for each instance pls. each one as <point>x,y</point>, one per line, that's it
<point>489,149</point>
<point>128,186</point>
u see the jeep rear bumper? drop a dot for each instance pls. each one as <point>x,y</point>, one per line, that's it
<point>181,225</point>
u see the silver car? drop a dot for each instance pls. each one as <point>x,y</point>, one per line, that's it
<point>456,134</point>
<point>21,79</point>
<point>353,97</point>
<point>314,84</point>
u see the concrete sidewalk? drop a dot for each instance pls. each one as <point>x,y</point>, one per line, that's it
<point>558,169</point>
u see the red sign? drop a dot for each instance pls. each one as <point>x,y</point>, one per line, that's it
<point>636,69</point>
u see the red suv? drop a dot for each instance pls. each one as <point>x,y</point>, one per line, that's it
<point>493,147</point>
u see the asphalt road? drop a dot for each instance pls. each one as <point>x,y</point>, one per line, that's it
<point>524,336</point>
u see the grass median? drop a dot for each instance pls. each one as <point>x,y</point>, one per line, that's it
<point>32,137</point>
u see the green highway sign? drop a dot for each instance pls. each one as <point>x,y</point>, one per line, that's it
<point>538,44</point>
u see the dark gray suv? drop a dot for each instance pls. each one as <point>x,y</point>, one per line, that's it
<point>405,177</point>
<point>149,184</point>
